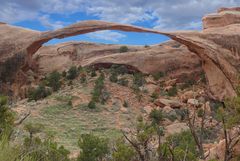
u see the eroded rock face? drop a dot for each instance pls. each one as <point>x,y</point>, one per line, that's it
<point>170,57</point>
<point>224,17</point>
<point>216,46</point>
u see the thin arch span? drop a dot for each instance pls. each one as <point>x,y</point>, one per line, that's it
<point>215,65</point>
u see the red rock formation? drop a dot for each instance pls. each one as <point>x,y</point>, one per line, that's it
<point>170,57</point>
<point>216,47</point>
<point>224,17</point>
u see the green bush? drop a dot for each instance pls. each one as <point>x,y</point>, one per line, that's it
<point>92,105</point>
<point>200,112</point>
<point>156,116</point>
<point>93,73</point>
<point>98,88</point>
<point>83,78</point>
<point>113,77</point>
<point>155,95</point>
<point>98,94</point>
<point>182,113</point>
<point>158,75</point>
<point>123,49</point>
<point>53,80</point>
<point>125,104</point>
<point>123,82</point>
<point>42,150</point>
<point>183,145</point>
<point>47,150</point>
<point>39,93</point>
<point>105,95</point>
<point>64,74</point>
<point>138,79</point>
<point>123,152</point>
<point>118,69</point>
<point>92,148</point>
<point>6,117</point>
<point>72,73</point>
<point>172,91</point>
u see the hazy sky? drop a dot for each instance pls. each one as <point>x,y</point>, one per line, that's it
<point>159,14</point>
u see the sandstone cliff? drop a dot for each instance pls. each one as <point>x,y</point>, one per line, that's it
<point>170,57</point>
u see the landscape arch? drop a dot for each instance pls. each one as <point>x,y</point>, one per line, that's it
<point>220,73</point>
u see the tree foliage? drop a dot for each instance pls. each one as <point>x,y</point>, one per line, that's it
<point>72,73</point>
<point>38,93</point>
<point>53,80</point>
<point>93,148</point>
<point>6,117</point>
<point>123,49</point>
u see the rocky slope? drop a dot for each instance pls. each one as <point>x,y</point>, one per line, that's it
<point>217,48</point>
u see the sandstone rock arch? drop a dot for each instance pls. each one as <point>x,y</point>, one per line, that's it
<point>220,63</point>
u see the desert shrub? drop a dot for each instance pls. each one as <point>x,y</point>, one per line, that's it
<point>135,88</point>
<point>92,105</point>
<point>72,73</point>
<point>156,116</point>
<point>46,149</point>
<point>123,152</point>
<point>93,148</point>
<point>121,69</point>
<point>93,73</point>
<point>33,129</point>
<point>182,146</point>
<point>123,82</point>
<point>146,46</point>
<point>209,135</point>
<point>98,88</point>
<point>138,79</point>
<point>172,117</point>
<point>182,113</point>
<point>38,93</point>
<point>158,75</point>
<point>105,95</point>
<point>9,152</point>
<point>64,74</point>
<point>53,80</point>
<point>6,117</point>
<point>203,77</point>
<point>140,138</point>
<point>83,78</point>
<point>113,77</point>
<point>123,49</point>
<point>200,112</point>
<point>118,69</point>
<point>172,91</point>
<point>80,68</point>
<point>125,103</point>
<point>154,95</point>
<point>98,94</point>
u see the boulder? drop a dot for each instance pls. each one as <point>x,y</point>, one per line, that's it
<point>193,102</point>
<point>175,128</point>
<point>188,95</point>
<point>167,109</point>
<point>166,102</point>
<point>148,109</point>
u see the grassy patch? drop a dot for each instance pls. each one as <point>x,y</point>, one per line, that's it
<point>68,123</point>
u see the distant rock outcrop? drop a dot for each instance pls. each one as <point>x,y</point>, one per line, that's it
<point>170,57</point>
<point>217,47</point>
<point>224,17</point>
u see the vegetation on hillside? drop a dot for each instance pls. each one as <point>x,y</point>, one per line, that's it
<point>133,144</point>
